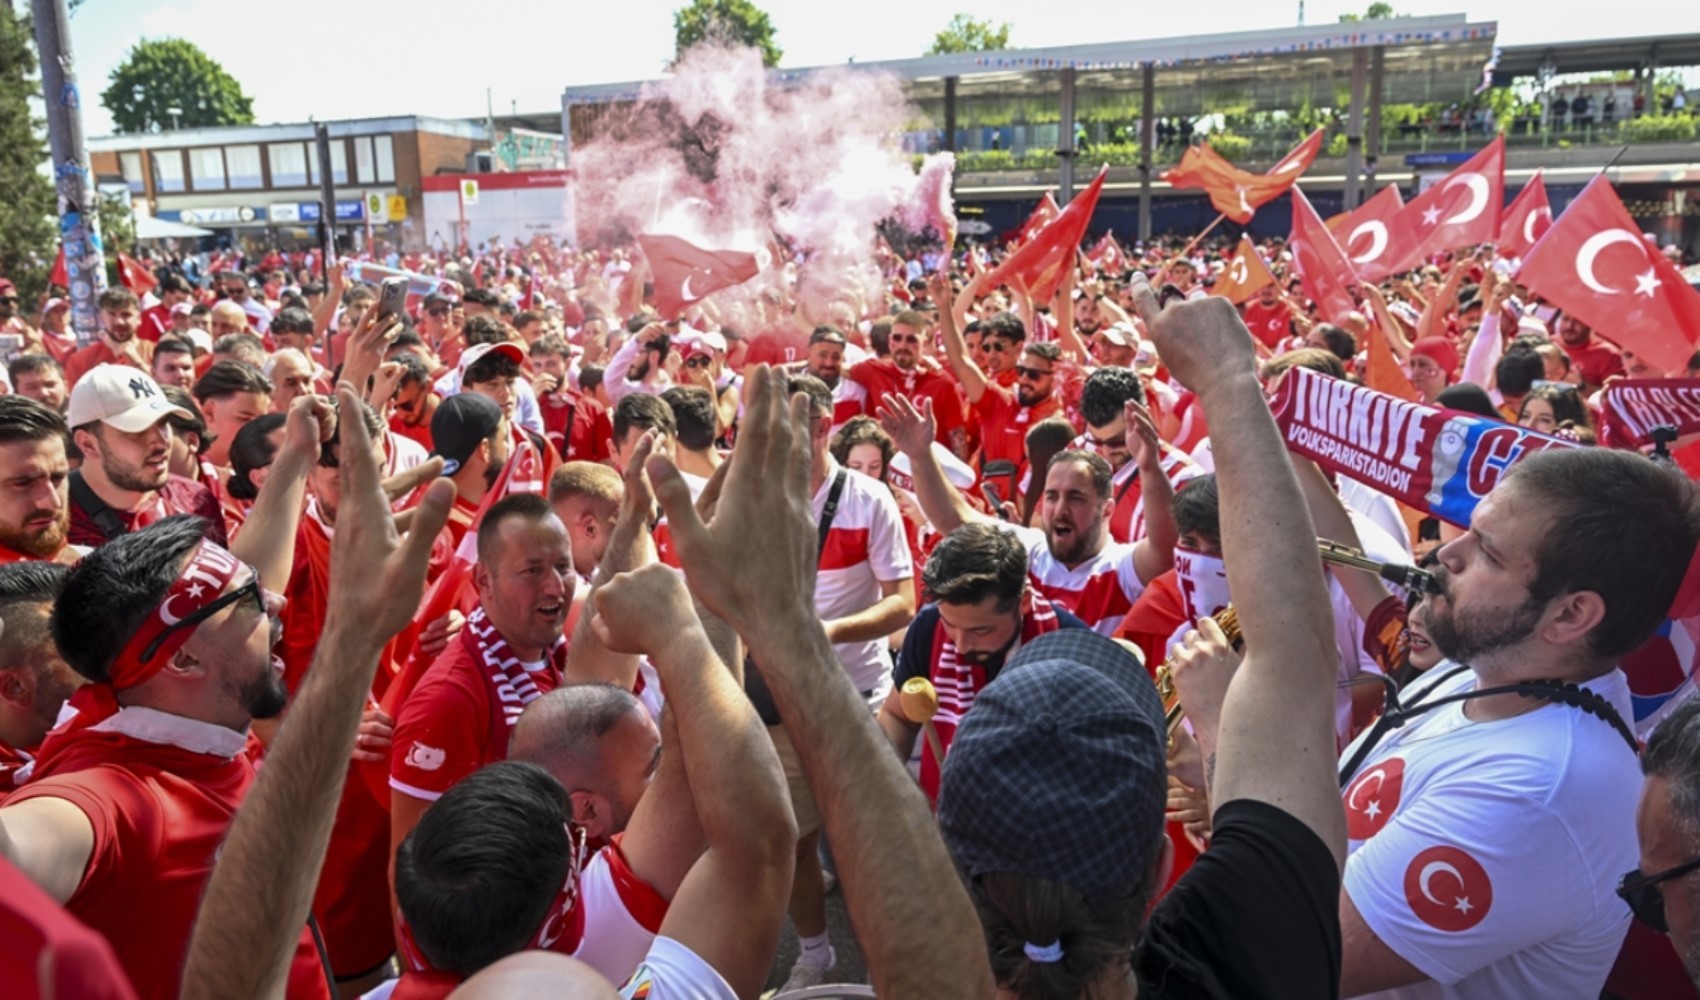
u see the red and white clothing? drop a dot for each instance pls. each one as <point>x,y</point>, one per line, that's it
<point>849,399</point>
<point>1486,853</point>
<point>879,376</point>
<point>177,496</point>
<point>1004,424</point>
<point>579,427</point>
<point>159,792</point>
<point>1099,591</point>
<point>672,971</point>
<point>1269,324</point>
<point>865,547</point>
<point>1127,518</point>
<point>13,762</point>
<point>48,954</point>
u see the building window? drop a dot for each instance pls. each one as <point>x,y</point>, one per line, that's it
<point>339,162</point>
<point>363,170</point>
<point>130,165</point>
<point>289,165</point>
<point>374,160</point>
<point>168,171</point>
<point>206,168</point>
<point>244,165</point>
<point>385,159</point>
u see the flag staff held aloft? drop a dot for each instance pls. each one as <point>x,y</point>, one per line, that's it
<point>79,236</point>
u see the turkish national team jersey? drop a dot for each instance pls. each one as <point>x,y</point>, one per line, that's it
<point>1004,424</point>
<point>865,547</point>
<point>159,792</point>
<point>880,376</point>
<point>46,954</point>
<point>1486,853</point>
<point>572,414</point>
<point>1268,323</point>
<point>1100,591</point>
<point>849,399</point>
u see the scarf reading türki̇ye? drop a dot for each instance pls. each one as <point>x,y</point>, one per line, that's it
<point>512,685</point>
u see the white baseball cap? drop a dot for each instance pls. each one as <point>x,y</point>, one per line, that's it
<point>124,398</point>
<point>477,351</point>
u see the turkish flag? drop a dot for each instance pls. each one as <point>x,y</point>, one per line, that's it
<point>1366,233</point>
<point>61,275</point>
<point>1040,262</point>
<point>685,273</point>
<point>135,275</point>
<point>1462,210</point>
<point>1108,255</point>
<point>1043,215</point>
<point>1383,372</point>
<point>1327,273</point>
<point>1244,275</point>
<point>1526,220</point>
<point>1238,193</point>
<point>1594,264</point>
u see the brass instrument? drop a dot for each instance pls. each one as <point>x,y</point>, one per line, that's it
<point>1229,620</point>
<point>1408,577</point>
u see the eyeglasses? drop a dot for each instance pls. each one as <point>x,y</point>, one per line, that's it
<point>1642,893</point>
<point>252,587</point>
<point>700,361</point>
<point>439,311</point>
<point>1033,374</point>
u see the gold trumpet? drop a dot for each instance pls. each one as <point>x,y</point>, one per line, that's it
<point>1229,620</point>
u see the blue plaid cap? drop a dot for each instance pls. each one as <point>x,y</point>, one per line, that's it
<point>1058,770</point>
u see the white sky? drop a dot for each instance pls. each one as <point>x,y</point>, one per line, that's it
<point>357,58</point>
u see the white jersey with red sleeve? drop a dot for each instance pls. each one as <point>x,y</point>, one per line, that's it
<point>1486,853</point>
<point>865,547</point>
<point>672,971</point>
<point>849,399</point>
<point>1099,591</point>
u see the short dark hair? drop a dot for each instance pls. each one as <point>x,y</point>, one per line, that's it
<point>693,414</point>
<point>194,423</point>
<point>484,330</point>
<point>879,338</point>
<point>551,343</point>
<point>481,297</point>
<point>173,345</point>
<point>413,369</point>
<point>492,366</point>
<point>475,878</point>
<point>820,397</point>
<point>1621,526</point>
<point>525,317</point>
<point>1006,325</point>
<point>1518,371</point>
<point>1198,508</point>
<point>523,506</point>
<point>1673,753</point>
<point>24,419</point>
<point>292,320</point>
<point>1096,465</point>
<point>1044,349</point>
<point>113,589</point>
<point>251,450</point>
<point>227,378</point>
<point>171,281</point>
<point>1105,395</point>
<point>1339,341</point>
<point>974,562</point>
<point>911,318</point>
<point>640,409</point>
<point>31,364</point>
<point>375,429</point>
<point>27,592</point>
<point>119,298</point>
<point>589,377</point>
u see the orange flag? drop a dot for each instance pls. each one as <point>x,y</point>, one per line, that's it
<point>1383,373</point>
<point>1245,274</point>
<point>1237,193</point>
<point>1040,261</point>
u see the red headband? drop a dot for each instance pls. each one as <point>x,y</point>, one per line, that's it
<point>202,582</point>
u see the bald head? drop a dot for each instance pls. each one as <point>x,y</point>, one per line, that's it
<point>536,975</point>
<point>562,731</point>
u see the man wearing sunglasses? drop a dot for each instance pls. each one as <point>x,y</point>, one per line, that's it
<point>1664,892</point>
<point>903,375</point>
<point>1005,414</point>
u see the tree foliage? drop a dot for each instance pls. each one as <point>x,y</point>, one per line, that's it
<point>737,22</point>
<point>966,33</point>
<point>27,232</point>
<point>1378,11</point>
<point>168,73</point>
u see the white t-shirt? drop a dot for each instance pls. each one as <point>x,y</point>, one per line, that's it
<point>1099,591</point>
<point>672,971</point>
<point>864,548</point>
<point>1486,853</point>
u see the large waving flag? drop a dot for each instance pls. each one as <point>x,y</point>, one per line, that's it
<point>1460,211</point>
<point>1043,215</point>
<point>1526,219</point>
<point>1040,262</point>
<point>685,273</point>
<point>1366,233</point>
<point>1595,265</point>
<point>1327,274</point>
<point>1238,193</point>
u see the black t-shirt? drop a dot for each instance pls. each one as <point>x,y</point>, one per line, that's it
<point>1257,915</point>
<point>916,657</point>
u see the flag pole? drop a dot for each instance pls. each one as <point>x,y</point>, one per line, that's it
<point>1196,240</point>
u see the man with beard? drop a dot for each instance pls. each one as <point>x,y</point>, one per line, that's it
<point>1593,357</point>
<point>35,513</point>
<point>1074,562</point>
<point>1486,837</point>
<point>1005,413</point>
<point>40,378</point>
<point>826,362</point>
<point>118,418</point>
<point>35,681</point>
<point>902,375</point>
<point>983,609</point>
<point>131,796</point>
<point>120,314</point>
<point>640,365</point>
<point>1662,890</point>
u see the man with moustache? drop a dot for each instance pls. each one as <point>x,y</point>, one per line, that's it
<point>902,375</point>
<point>118,418</point>
<point>983,610</point>
<point>120,315</point>
<point>35,513</point>
<point>826,362</point>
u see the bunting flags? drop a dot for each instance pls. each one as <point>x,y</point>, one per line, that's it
<point>1245,274</point>
<point>1462,210</point>
<point>1595,265</point>
<point>1366,233</point>
<point>1323,267</point>
<point>1526,220</point>
<point>1040,262</point>
<point>1238,193</point>
<point>684,273</point>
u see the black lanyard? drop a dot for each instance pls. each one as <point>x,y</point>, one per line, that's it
<point>1395,715</point>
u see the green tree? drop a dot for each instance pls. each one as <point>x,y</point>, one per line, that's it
<point>171,83</point>
<point>966,33</point>
<point>738,22</point>
<point>1378,11</point>
<point>27,233</point>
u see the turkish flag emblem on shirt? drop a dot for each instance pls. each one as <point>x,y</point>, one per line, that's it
<point>685,273</point>
<point>1327,274</point>
<point>1366,233</point>
<point>1594,264</point>
<point>1462,210</point>
<point>1372,797</point>
<point>1526,219</point>
<point>1244,275</point>
<point>1448,889</point>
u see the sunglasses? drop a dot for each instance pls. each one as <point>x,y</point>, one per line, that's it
<point>9,299</point>
<point>440,311</point>
<point>1119,441</point>
<point>1034,374</point>
<point>251,588</point>
<point>905,338</point>
<point>1542,383</point>
<point>700,361</point>
<point>1642,893</point>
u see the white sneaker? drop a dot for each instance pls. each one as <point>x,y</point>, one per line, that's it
<point>803,975</point>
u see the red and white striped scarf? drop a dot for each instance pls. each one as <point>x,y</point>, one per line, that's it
<point>512,684</point>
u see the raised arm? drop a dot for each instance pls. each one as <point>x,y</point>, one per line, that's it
<point>1390,329</point>
<point>913,430</point>
<point>955,347</point>
<point>630,546</point>
<point>1276,741</point>
<point>1154,554</point>
<point>267,539</point>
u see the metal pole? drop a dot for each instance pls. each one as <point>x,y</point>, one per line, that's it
<point>950,113</point>
<point>1065,138</point>
<point>1373,137</point>
<point>327,196</point>
<point>79,230</point>
<point>1355,129</point>
<point>1147,138</point>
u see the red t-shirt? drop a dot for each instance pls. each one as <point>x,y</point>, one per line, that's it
<point>97,353</point>
<point>880,376</point>
<point>1004,424</point>
<point>154,324</point>
<point>587,421</point>
<point>1596,360</point>
<point>11,759</point>
<point>1268,323</point>
<point>45,953</point>
<point>177,496</point>
<point>777,347</point>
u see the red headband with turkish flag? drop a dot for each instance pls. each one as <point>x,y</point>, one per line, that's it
<point>202,581</point>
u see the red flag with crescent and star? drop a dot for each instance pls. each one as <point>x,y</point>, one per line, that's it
<point>1366,233</point>
<point>1327,274</point>
<point>1460,211</point>
<point>1238,193</point>
<point>1595,265</point>
<point>135,275</point>
<point>1108,255</point>
<point>685,273</point>
<point>1526,219</point>
<point>1043,215</point>
<point>1040,262</point>
<point>1245,274</point>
